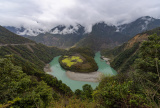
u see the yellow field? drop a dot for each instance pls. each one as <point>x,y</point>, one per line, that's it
<point>69,61</point>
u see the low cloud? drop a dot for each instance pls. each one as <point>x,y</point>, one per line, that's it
<point>47,14</point>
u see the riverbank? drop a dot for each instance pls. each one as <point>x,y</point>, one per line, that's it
<point>88,77</point>
<point>47,68</point>
<point>106,59</point>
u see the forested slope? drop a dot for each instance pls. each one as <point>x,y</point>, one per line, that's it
<point>124,56</point>
<point>7,37</point>
<point>22,68</point>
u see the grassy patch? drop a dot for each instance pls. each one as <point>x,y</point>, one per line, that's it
<point>69,61</point>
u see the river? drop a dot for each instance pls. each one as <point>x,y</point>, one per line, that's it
<point>60,73</point>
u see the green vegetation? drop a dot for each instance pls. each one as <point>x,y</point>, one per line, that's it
<point>23,84</point>
<point>113,52</point>
<point>33,62</point>
<point>83,50</point>
<point>23,81</point>
<point>78,60</point>
<point>117,92</point>
<point>139,87</point>
<point>7,37</point>
<point>20,90</point>
<point>69,61</point>
<point>123,56</point>
<point>148,69</point>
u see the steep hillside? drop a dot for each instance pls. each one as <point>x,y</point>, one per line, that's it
<point>7,37</point>
<point>102,36</point>
<point>124,56</point>
<point>19,57</point>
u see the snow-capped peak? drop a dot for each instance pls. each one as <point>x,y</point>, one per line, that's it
<point>66,29</point>
<point>147,18</point>
<point>24,31</point>
<point>30,32</point>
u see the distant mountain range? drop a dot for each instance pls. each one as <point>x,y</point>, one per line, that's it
<point>24,31</point>
<point>102,35</point>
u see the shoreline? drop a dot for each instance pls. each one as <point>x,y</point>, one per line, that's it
<point>47,68</point>
<point>88,77</point>
<point>105,59</point>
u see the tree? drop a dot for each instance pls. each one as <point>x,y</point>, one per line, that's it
<point>148,68</point>
<point>87,91</point>
<point>18,90</point>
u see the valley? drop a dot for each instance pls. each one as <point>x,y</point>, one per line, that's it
<point>36,75</point>
<point>76,80</point>
<point>80,54</point>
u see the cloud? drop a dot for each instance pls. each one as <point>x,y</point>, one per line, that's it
<point>47,14</point>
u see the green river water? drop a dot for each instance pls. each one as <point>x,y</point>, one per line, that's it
<point>59,72</point>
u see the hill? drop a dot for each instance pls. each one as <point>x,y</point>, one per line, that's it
<point>123,56</point>
<point>102,36</point>
<point>21,66</point>
<point>7,37</point>
<point>79,60</point>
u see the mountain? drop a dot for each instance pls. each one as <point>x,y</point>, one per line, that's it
<point>23,31</point>
<point>102,36</point>
<point>21,67</point>
<point>61,36</point>
<point>123,56</point>
<point>138,26</point>
<point>7,37</point>
<point>108,36</point>
<point>25,50</point>
<point>61,29</point>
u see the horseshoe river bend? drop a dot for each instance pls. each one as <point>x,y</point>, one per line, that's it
<point>76,83</point>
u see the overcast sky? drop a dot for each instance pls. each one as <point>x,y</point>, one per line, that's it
<point>49,13</point>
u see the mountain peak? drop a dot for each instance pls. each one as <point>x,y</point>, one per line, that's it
<point>63,30</point>
<point>146,17</point>
<point>139,25</point>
